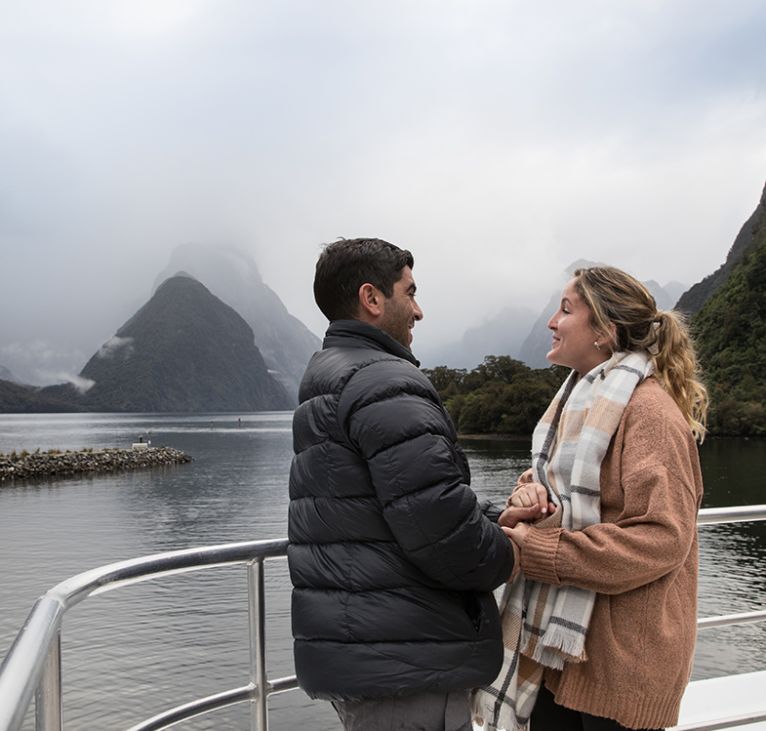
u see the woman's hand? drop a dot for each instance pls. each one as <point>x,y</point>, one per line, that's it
<point>531,494</point>
<point>526,476</point>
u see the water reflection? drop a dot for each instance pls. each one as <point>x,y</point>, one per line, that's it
<point>141,649</point>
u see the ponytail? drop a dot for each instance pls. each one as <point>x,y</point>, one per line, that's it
<point>620,304</point>
<point>677,369</point>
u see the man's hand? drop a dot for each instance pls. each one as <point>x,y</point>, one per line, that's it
<point>518,533</point>
<point>513,515</point>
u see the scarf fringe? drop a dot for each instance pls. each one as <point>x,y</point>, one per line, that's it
<point>489,726</point>
<point>503,724</point>
<point>557,648</point>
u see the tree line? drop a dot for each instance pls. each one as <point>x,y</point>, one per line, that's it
<point>505,396</point>
<point>500,396</point>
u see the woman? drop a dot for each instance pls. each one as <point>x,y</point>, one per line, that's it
<point>601,625</point>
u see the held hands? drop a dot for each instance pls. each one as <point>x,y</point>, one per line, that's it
<point>528,503</point>
<point>529,494</point>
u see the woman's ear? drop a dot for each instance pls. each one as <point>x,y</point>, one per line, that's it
<point>606,339</point>
<point>370,301</point>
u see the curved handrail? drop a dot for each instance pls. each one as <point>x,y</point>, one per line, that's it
<point>75,589</point>
<point>733,514</point>
<point>23,668</point>
<point>219,700</point>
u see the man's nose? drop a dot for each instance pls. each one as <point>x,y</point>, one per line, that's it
<point>418,312</point>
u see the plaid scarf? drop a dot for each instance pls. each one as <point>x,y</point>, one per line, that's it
<point>546,625</point>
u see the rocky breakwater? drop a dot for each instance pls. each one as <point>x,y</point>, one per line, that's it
<point>55,463</point>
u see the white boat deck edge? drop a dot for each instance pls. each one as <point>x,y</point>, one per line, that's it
<point>724,697</point>
<point>716,699</point>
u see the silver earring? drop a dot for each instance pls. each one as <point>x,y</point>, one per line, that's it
<point>596,345</point>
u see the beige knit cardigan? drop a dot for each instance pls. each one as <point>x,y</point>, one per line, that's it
<point>642,561</point>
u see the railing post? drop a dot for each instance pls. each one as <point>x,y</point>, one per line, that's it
<point>259,718</point>
<point>48,707</point>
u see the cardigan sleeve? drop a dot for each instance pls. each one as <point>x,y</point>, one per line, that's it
<point>652,535</point>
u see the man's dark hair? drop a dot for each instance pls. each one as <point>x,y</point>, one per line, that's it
<point>346,265</point>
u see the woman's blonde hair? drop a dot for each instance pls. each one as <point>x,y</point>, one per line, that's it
<point>618,300</point>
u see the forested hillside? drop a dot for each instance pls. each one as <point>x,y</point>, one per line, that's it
<point>730,331</point>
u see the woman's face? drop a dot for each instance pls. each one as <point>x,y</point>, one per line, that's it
<point>574,336</point>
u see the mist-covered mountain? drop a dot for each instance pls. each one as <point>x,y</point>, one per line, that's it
<point>693,300</point>
<point>538,341</point>
<point>498,335</point>
<point>6,375</point>
<point>285,343</point>
<point>521,333</point>
<point>16,398</point>
<point>184,350</point>
<point>666,295</point>
<point>730,333</point>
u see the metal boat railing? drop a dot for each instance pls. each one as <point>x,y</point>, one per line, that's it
<point>32,666</point>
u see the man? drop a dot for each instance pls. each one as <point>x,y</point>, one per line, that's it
<point>392,559</point>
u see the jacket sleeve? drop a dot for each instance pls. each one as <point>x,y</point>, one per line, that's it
<point>394,419</point>
<point>492,511</point>
<point>653,533</point>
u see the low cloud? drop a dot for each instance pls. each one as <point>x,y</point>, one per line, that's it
<point>83,385</point>
<point>39,362</point>
<point>110,348</point>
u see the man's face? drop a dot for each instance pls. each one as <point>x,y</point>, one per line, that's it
<point>400,311</point>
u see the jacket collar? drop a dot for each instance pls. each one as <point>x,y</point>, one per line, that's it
<point>358,334</point>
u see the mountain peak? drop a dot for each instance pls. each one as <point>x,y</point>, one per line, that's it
<point>185,351</point>
<point>204,261</point>
<point>231,275</point>
<point>695,298</point>
<point>6,375</point>
<point>581,264</point>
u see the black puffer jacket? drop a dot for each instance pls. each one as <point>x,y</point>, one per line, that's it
<point>391,557</point>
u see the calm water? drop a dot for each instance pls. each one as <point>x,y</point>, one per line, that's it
<point>142,649</point>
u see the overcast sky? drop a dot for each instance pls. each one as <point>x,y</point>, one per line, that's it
<point>499,141</point>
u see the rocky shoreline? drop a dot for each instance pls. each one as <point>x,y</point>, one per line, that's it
<point>55,463</point>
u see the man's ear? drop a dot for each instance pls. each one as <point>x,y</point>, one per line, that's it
<point>370,301</point>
